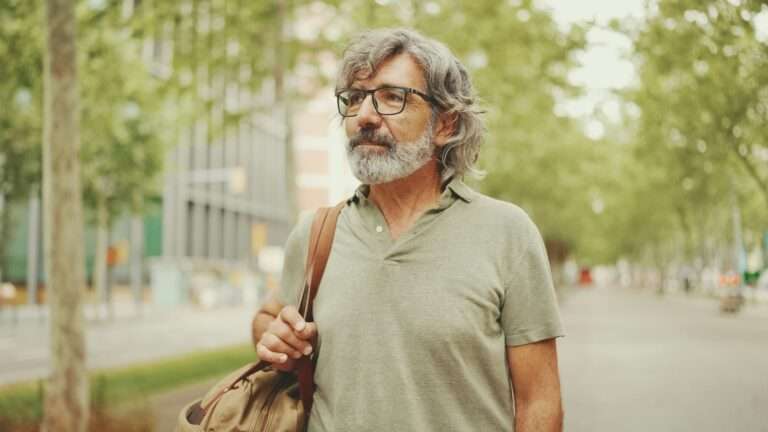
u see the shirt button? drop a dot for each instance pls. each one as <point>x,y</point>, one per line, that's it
<point>379,228</point>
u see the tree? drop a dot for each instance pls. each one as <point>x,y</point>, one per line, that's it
<point>66,396</point>
<point>700,139</point>
<point>122,156</point>
<point>122,128</point>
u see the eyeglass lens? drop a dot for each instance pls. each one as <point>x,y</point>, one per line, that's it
<point>387,101</point>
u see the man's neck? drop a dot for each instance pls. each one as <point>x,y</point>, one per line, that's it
<point>402,201</point>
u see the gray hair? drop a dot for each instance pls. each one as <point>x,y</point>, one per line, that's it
<point>447,82</point>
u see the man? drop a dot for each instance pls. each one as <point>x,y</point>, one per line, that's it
<point>437,304</point>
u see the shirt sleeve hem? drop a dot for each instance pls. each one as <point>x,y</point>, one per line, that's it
<point>537,335</point>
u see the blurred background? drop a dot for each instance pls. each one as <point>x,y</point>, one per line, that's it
<point>632,132</point>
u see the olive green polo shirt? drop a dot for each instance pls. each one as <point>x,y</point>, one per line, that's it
<point>413,332</point>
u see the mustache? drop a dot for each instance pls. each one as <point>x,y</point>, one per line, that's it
<point>370,136</point>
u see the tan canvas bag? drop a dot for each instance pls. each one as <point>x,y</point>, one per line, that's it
<point>257,397</point>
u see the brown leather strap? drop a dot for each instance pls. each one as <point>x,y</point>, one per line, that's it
<point>321,217</point>
<point>321,241</point>
<point>319,259</point>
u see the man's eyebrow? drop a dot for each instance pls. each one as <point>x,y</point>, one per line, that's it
<point>390,85</point>
<point>358,87</point>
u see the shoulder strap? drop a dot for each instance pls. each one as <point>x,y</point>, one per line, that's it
<point>320,243</point>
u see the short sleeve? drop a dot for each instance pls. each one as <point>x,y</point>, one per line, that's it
<point>292,277</point>
<point>529,312</point>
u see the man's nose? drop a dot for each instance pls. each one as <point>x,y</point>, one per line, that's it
<point>367,115</point>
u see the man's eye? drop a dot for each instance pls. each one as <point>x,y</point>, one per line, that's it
<point>392,96</point>
<point>355,98</point>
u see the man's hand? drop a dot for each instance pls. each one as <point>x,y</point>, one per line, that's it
<point>286,339</point>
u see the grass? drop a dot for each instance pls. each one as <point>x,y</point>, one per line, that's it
<point>21,404</point>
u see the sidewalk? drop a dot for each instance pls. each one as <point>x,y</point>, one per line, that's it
<point>129,337</point>
<point>752,308</point>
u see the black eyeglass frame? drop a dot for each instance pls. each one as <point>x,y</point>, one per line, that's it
<point>406,90</point>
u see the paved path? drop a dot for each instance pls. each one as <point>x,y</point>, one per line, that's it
<point>125,340</point>
<point>637,362</point>
<point>633,361</point>
<point>630,362</point>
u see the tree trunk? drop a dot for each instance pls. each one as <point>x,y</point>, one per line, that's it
<point>33,239</point>
<point>3,224</point>
<point>137,252</point>
<point>282,24</point>
<point>66,394</point>
<point>100,259</point>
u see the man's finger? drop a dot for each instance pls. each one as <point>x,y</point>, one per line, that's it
<point>268,356</point>
<point>265,355</point>
<point>309,332</point>
<point>275,344</point>
<point>293,318</point>
<point>291,337</point>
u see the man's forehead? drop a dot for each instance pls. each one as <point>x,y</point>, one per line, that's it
<point>400,70</point>
<point>362,75</point>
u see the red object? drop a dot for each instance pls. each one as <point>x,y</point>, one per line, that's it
<point>585,276</point>
<point>111,256</point>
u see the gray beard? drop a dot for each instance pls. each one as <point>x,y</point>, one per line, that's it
<point>399,160</point>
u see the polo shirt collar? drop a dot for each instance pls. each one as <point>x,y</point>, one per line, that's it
<point>453,188</point>
<point>461,190</point>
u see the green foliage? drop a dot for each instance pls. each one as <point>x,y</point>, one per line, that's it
<point>121,121</point>
<point>658,185</point>
<point>20,91</point>
<point>700,139</point>
<point>656,188</point>
<point>124,125</point>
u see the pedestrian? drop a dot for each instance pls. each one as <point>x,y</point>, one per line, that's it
<point>437,310</point>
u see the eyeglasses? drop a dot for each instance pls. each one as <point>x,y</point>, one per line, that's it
<point>386,100</point>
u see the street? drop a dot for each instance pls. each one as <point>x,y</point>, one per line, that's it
<point>633,361</point>
<point>630,361</point>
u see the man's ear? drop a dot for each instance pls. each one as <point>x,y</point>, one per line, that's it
<point>445,128</point>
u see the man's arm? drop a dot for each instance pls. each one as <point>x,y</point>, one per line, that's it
<point>536,385</point>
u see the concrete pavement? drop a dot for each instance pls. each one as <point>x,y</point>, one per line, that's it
<point>633,361</point>
<point>131,337</point>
